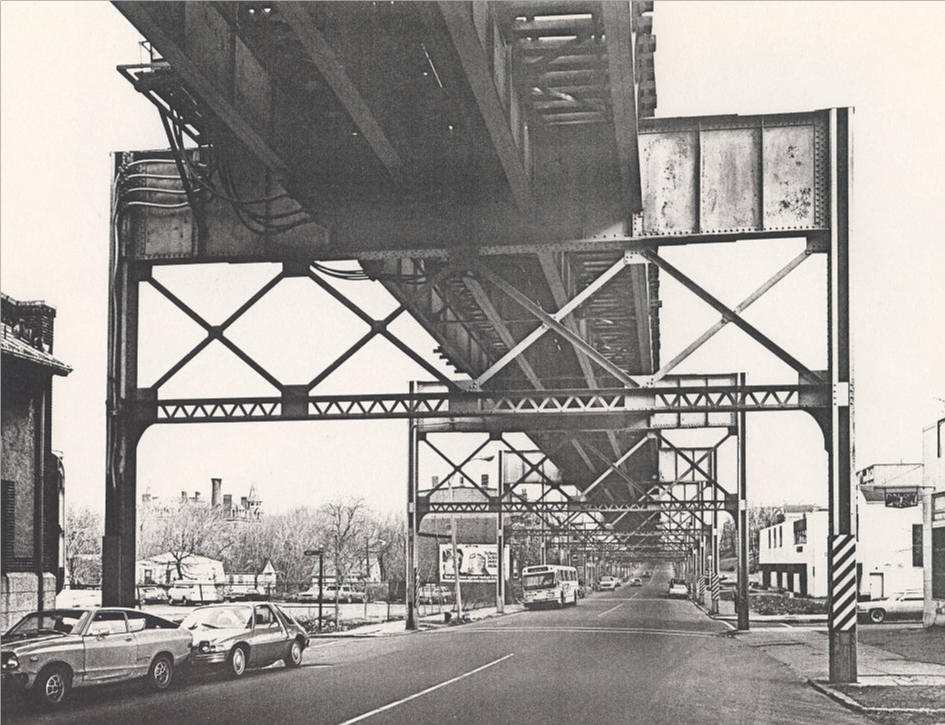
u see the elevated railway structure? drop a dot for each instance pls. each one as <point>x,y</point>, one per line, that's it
<point>499,169</point>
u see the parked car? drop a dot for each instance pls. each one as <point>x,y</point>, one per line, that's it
<point>152,595</point>
<point>904,605</point>
<point>48,653</point>
<point>647,574</point>
<point>238,636</point>
<point>607,583</point>
<point>434,594</point>
<point>677,590</point>
<point>343,593</point>
<point>244,594</point>
<point>636,582</point>
<point>188,594</point>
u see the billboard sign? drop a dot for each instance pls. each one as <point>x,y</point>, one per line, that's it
<point>901,498</point>
<point>477,562</point>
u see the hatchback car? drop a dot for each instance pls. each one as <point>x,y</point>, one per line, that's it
<point>904,605</point>
<point>239,636</point>
<point>677,590</point>
<point>48,653</point>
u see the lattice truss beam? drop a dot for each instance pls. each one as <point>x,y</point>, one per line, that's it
<point>539,504</point>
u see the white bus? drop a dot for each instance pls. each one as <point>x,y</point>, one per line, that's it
<point>549,584</point>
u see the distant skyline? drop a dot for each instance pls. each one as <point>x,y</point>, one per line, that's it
<point>65,108</point>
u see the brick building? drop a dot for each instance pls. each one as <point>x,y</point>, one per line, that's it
<point>31,529</point>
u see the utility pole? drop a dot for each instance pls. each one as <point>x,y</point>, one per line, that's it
<point>458,589</point>
<point>410,588</point>
<point>500,546</point>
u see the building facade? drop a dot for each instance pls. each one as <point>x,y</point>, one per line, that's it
<point>793,554</point>
<point>33,488</point>
<point>933,523</point>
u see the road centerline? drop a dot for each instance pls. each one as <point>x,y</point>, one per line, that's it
<point>421,693</point>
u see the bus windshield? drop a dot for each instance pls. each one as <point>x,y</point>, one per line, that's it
<point>538,581</point>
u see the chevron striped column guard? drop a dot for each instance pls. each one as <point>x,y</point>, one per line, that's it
<point>843,582</point>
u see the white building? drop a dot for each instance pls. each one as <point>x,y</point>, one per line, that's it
<point>164,569</point>
<point>792,554</point>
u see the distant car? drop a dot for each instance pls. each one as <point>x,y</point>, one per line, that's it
<point>636,582</point>
<point>677,590</point>
<point>647,574</point>
<point>904,605</point>
<point>343,593</point>
<point>434,594</point>
<point>152,595</point>
<point>188,594</point>
<point>48,653</point>
<point>239,636</point>
<point>608,583</point>
<point>241,594</point>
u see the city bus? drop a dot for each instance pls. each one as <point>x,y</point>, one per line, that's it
<point>549,584</point>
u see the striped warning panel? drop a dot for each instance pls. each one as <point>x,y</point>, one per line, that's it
<point>715,586</point>
<point>843,582</point>
<point>700,587</point>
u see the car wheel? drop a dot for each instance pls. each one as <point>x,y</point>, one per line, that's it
<point>877,616</point>
<point>237,661</point>
<point>161,673</point>
<point>294,657</point>
<point>52,686</point>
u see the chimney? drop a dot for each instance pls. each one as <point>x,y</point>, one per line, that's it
<point>228,501</point>
<point>434,480</point>
<point>33,318</point>
<point>183,497</point>
<point>484,480</point>
<point>216,484</point>
<point>196,496</point>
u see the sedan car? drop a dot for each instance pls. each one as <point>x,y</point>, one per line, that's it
<point>677,590</point>
<point>636,582</point>
<point>608,583</point>
<point>239,636</point>
<point>48,653</point>
<point>904,605</point>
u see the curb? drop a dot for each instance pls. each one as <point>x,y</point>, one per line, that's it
<point>851,704</point>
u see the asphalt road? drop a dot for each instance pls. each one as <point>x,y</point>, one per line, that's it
<point>618,657</point>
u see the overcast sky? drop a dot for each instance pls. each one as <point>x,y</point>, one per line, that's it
<point>64,109</point>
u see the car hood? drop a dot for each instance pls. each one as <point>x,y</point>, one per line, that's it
<point>208,634</point>
<point>38,642</point>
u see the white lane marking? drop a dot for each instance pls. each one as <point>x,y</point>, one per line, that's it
<point>326,644</point>
<point>582,630</point>
<point>428,690</point>
<point>616,606</point>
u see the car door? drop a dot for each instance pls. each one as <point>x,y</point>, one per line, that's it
<point>268,639</point>
<point>910,604</point>
<point>110,650</point>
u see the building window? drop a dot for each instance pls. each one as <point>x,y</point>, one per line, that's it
<point>917,545</point>
<point>7,519</point>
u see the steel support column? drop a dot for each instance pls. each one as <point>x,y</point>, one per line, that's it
<point>841,569</point>
<point>122,430</point>
<point>410,597</point>
<point>741,523</point>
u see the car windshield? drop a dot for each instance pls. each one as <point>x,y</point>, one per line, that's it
<point>53,621</point>
<point>219,618</point>
<point>538,581</point>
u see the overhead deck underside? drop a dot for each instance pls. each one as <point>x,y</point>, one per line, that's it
<point>425,138</point>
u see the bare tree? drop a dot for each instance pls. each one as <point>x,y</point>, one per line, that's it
<point>83,546</point>
<point>345,524</point>
<point>183,531</point>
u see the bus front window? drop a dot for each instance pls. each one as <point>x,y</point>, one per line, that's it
<point>539,581</point>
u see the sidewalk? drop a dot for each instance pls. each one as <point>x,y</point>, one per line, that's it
<point>889,684</point>
<point>431,621</point>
